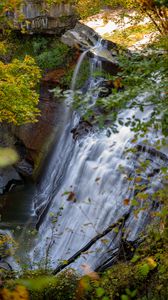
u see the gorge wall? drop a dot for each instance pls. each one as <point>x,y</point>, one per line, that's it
<point>40,18</point>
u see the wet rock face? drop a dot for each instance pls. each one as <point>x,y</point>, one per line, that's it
<point>82,129</point>
<point>51,20</point>
<point>37,137</point>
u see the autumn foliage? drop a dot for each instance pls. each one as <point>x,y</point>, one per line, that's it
<point>18,96</point>
<point>157,11</point>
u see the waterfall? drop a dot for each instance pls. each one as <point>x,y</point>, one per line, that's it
<point>91,196</point>
<point>84,188</point>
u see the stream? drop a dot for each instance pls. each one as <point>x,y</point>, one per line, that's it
<point>86,186</point>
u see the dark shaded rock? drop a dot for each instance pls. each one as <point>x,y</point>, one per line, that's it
<point>12,184</point>
<point>110,68</point>
<point>24,168</point>
<point>106,87</point>
<point>82,129</point>
<point>9,178</point>
<point>152,151</point>
<point>13,176</point>
<point>127,249</point>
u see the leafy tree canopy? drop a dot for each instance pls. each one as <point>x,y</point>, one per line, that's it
<point>17,91</point>
<point>18,79</point>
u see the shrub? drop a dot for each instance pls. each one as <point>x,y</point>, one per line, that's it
<point>53,58</point>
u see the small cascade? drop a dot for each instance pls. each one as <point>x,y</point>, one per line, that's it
<point>95,64</point>
<point>95,73</point>
<point>94,78</point>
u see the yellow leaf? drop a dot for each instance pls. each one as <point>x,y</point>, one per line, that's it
<point>151,262</point>
<point>138,179</point>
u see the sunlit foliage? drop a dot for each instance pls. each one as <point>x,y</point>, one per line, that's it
<point>18,293</point>
<point>7,9</point>
<point>19,99</point>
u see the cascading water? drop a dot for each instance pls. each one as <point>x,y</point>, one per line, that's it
<point>83,192</point>
<point>91,197</point>
<point>88,185</point>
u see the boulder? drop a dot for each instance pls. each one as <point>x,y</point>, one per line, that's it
<point>85,38</point>
<point>80,36</point>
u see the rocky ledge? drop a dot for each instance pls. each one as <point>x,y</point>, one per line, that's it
<point>85,38</point>
<point>41,18</point>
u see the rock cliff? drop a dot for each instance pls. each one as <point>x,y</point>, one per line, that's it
<point>40,18</point>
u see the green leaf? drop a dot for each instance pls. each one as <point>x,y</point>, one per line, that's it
<point>135,258</point>
<point>144,269</point>
<point>124,297</point>
<point>100,292</point>
<point>134,202</point>
<point>38,283</point>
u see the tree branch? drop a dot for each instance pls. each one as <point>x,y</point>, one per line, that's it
<point>92,242</point>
